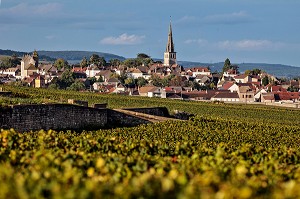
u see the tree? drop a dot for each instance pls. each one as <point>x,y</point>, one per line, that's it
<point>115,62</point>
<point>122,78</point>
<point>196,85</point>
<point>176,81</point>
<point>77,86</point>
<point>140,81</point>
<point>227,65</point>
<point>254,71</point>
<point>92,80</point>
<point>142,56</point>
<point>156,80</point>
<point>61,63</point>
<point>100,79</point>
<point>129,82</point>
<point>131,63</point>
<point>5,63</point>
<point>144,59</point>
<point>265,81</point>
<point>67,79</point>
<point>101,61</point>
<point>84,62</point>
<point>96,59</point>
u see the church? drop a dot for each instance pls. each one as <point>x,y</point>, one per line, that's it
<point>29,65</point>
<point>169,65</point>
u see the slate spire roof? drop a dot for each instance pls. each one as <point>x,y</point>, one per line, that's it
<point>170,44</point>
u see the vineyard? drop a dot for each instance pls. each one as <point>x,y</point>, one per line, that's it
<point>225,151</point>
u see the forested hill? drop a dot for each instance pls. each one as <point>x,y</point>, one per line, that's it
<point>78,55</point>
<point>278,70</point>
<point>66,55</point>
<point>21,54</point>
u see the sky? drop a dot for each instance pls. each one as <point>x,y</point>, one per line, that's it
<point>208,31</point>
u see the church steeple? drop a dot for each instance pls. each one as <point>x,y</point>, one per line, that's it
<point>170,44</point>
<point>170,54</point>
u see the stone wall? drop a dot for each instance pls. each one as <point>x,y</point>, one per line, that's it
<point>67,116</point>
<point>158,111</point>
<point>118,119</point>
<point>52,116</point>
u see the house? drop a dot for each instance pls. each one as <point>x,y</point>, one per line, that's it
<point>113,81</point>
<point>104,74</point>
<point>230,73</point>
<point>286,96</point>
<point>258,95</point>
<point>48,69</point>
<point>246,94</point>
<point>92,70</point>
<point>149,91</point>
<point>101,87</point>
<point>199,95</point>
<point>155,92</point>
<point>233,88</point>
<point>120,88</point>
<point>11,71</point>
<point>77,69</point>
<point>134,73</point>
<point>277,89</point>
<point>39,82</point>
<point>202,79</point>
<point>243,78</point>
<point>226,97</point>
<point>199,71</point>
<point>267,98</point>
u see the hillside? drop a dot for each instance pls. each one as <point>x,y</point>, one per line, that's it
<point>78,55</point>
<point>71,56</point>
<point>279,70</point>
<point>21,54</point>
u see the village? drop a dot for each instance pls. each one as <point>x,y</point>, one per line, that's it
<point>144,77</point>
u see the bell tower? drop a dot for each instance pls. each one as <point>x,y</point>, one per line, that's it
<point>170,54</point>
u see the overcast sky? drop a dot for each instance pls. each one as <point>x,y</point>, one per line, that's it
<point>261,31</point>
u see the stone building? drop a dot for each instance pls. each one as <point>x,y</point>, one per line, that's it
<point>29,65</point>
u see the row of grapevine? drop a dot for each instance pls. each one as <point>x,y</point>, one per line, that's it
<point>247,113</point>
<point>205,157</point>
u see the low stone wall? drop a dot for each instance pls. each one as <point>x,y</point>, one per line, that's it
<point>67,116</point>
<point>158,111</point>
<point>118,119</point>
<point>52,116</point>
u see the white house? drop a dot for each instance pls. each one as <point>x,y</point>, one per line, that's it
<point>92,70</point>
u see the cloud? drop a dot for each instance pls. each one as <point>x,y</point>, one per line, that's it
<point>24,9</point>
<point>231,18</point>
<point>249,45</point>
<point>123,39</point>
<point>200,42</point>
<point>187,19</point>
<point>240,45</point>
<point>50,37</point>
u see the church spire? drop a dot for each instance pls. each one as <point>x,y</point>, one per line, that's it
<point>170,44</point>
<point>170,54</point>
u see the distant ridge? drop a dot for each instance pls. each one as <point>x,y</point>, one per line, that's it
<point>278,70</point>
<point>78,55</point>
<point>21,54</point>
<point>66,55</point>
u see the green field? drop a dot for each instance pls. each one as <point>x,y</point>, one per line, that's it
<point>226,151</point>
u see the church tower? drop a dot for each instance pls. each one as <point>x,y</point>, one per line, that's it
<point>170,54</point>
